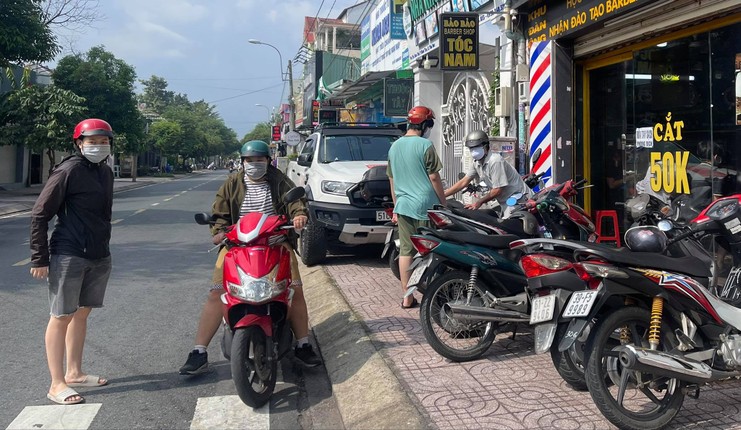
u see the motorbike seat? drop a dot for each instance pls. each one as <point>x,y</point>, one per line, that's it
<point>467,237</point>
<point>511,226</point>
<point>689,265</point>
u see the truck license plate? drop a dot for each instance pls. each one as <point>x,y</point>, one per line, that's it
<point>382,216</point>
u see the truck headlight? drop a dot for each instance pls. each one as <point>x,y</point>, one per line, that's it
<point>336,187</point>
<point>257,290</point>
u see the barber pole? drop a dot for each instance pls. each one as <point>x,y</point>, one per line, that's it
<point>540,109</point>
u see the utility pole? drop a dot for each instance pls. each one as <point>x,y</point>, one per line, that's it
<point>291,103</point>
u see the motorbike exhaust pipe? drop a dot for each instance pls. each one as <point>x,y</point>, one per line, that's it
<point>477,313</point>
<point>669,365</point>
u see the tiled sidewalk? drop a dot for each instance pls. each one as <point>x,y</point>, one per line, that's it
<point>509,388</point>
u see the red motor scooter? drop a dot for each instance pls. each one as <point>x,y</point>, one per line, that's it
<point>257,279</point>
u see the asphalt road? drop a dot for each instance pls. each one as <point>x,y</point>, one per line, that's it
<point>141,337</point>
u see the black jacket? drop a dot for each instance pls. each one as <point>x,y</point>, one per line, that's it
<point>80,194</point>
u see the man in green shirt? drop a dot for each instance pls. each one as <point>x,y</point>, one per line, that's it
<point>414,173</point>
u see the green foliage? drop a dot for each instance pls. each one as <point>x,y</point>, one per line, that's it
<point>23,35</point>
<point>107,84</point>
<point>262,131</point>
<point>41,118</point>
<point>166,136</point>
<point>156,97</point>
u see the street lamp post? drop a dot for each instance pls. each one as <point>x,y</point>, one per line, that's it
<point>291,104</point>
<point>270,113</point>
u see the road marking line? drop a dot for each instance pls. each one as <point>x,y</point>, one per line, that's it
<point>228,412</point>
<point>169,198</point>
<point>56,417</point>
<point>138,211</point>
<point>155,204</point>
<point>116,221</point>
<point>22,262</point>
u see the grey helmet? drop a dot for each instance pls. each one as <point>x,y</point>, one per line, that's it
<point>476,138</point>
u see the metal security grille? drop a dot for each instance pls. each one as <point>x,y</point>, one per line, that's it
<point>466,110</point>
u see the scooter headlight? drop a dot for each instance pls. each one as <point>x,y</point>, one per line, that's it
<point>257,290</point>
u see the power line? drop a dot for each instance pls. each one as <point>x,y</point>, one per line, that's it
<point>245,94</point>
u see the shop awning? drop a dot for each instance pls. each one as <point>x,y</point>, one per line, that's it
<point>352,89</point>
<point>327,91</point>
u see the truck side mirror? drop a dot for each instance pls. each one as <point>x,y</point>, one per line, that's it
<point>304,160</point>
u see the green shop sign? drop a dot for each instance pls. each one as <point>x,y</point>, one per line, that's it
<point>419,8</point>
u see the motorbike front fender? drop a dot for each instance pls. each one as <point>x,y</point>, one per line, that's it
<point>265,322</point>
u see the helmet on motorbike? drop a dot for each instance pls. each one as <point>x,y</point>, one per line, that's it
<point>645,238</point>
<point>92,127</point>
<point>255,148</point>
<point>476,138</point>
<point>420,114</point>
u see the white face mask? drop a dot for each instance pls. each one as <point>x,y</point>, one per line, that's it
<point>96,153</point>
<point>255,170</point>
<point>478,152</point>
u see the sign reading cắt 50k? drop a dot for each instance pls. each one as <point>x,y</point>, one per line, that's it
<point>459,41</point>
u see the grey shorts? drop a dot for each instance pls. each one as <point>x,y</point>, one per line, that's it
<point>76,282</point>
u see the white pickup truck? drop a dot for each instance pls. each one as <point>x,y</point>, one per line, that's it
<point>331,161</point>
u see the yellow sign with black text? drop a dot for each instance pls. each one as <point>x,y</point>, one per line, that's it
<point>459,41</point>
<point>669,169</point>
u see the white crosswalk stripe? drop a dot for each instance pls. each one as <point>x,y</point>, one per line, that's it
<point>228,412</point>
<point>56,417</point>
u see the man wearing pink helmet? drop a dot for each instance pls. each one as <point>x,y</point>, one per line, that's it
<point>76,261</point>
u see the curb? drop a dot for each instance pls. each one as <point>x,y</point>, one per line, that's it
<point>368,393</point>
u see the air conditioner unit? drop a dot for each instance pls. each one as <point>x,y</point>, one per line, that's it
<point>522,73</point>
<point>502,101</point>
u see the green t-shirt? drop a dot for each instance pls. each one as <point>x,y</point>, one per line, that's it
<point>412,159</point>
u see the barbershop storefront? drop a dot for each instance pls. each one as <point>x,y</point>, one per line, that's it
<point>656,103</point>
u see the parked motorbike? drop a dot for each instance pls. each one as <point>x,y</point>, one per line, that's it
<point>472,282</point>
<point>257,279</point>
<point>659,332</point>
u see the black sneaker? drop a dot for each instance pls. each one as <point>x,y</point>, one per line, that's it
<point>307,356</point>
<point>197,363</point>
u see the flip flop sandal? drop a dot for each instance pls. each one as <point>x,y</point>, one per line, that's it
<point>413,305</point>
<point>89,381</point>
<point>61,397</point>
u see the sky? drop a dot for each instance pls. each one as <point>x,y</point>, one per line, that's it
<point>200,47</point>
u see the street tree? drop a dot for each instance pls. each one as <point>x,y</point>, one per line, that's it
<point>24,37</point>
<point>166,137</point>
<point>41,118</point>
<point>107,84</point>
<point>72,15</point>
<point>262,131</point>
<point>156,97</point>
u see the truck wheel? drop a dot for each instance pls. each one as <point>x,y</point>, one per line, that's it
<point>313,244</point>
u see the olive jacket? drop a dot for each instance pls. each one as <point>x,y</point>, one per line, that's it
<point>230,196</point>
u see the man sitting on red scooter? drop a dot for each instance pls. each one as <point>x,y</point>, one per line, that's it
<point>258,187</point>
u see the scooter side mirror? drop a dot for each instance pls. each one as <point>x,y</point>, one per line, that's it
<point>535,157</point>
<point>203,218</point>
<point>294,194</point>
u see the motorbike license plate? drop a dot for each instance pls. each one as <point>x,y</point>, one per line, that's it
<point>382,216</point>
<point>418,272</point>
<point>542,309</point>
<point>580,304</point>
<point>388,236</point>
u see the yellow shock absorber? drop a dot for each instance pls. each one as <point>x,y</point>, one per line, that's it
<point>624,335</point>
<point>654,329</point>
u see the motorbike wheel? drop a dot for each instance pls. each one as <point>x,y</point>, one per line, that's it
<point>453,339</point>
<point>394,262</point>
<point>654,402</point>
<point>254,377</point>
<point>568,364</point>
